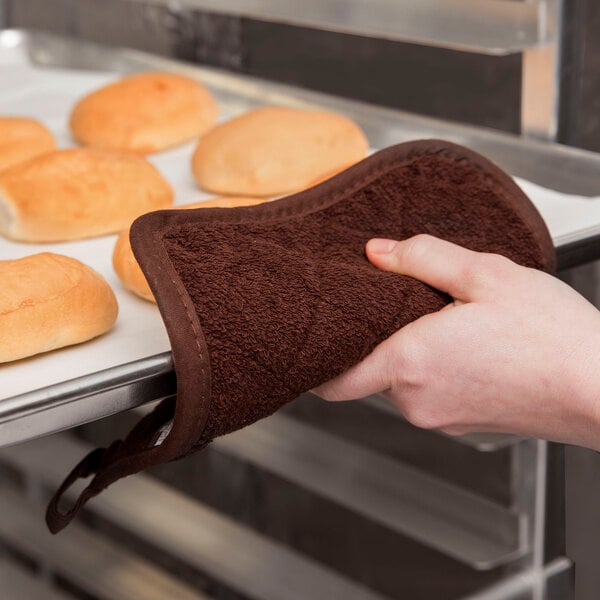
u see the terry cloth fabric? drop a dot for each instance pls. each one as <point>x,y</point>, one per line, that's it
<point>265,302</point>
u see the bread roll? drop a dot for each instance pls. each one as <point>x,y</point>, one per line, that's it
<point>78,193</point>
<point>273,151</point>
<point>329,175</point>
<point>126,266</point>
<point>48,301</point>
<point>21,139</point>
<point>144,113</point>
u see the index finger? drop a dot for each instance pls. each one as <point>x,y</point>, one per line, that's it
<point>463,274</point>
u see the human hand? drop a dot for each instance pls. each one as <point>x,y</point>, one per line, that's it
<point>517,351</point>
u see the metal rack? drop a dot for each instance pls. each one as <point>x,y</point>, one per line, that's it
<point>495,27</point>
<point>489,26</point>
<point>457,523</point>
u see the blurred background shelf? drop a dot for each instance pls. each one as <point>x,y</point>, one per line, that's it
<point>489,26</point>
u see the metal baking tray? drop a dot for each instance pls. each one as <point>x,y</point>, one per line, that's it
<point>42,75</point>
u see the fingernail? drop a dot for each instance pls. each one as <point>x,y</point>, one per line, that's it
<point>379,246</point>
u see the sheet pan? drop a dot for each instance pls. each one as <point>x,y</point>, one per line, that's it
<point>43,75</point>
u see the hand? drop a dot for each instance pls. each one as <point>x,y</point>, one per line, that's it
<point>518,351</point>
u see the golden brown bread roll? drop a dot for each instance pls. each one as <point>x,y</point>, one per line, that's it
<point>21,139</point>
<point>126,266</point>
<point>144,113</point>
<point>329,175</point>
<point>48,301</point>
<point>78,193</point>
<point>273,151</point>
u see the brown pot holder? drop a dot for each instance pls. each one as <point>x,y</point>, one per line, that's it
<point>263,303</point>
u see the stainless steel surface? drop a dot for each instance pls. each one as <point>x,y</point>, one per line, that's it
<point>557,576</point>
<point>99,567</point>
<point>530,472</point>
<point>103,570</point>
<point>85,399</point>
<point>534,579</point>
<point>74,402</point>
<point>541,78</point>
<point>199,536</point>
<point>449,519</point>
<point>486,26</point>
<point>537,533</point>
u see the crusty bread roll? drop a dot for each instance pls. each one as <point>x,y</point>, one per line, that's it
<point>78,193</point>
<point>273,151</point>
<point>21,139</point>
<point>48,301</point>
<point>329,175</point>
<point>127,267</point>
<point>144,113</point>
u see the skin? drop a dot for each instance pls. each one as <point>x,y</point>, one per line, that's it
<point>518,351</point>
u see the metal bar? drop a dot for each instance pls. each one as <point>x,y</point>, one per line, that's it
<point>540,90</point>
<point>93,563</point>
<point>487,26</point>
<point>199,536</point>
<point>579,252</point>
<point>437,514</point>
<point>538,520</point>
<point>558,576</point>
<point>529,469</point>
<point>85,399</point>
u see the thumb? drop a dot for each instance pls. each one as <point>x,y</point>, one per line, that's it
<point>443,265</point>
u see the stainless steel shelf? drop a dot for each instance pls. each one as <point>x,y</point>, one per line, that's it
<point>199,536</point>
<point>18,583</point>
<point>457,523</point>
<point>84,399</point>
<point>95,565</point>
<point>554,578</point>
<point>487,26</point>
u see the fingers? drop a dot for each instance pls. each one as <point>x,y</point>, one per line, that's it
<point>462,273</point>
<point>370,376</point>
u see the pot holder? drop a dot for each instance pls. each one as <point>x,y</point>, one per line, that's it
<point>263,303</point>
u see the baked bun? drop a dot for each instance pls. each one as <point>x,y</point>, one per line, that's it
<point>144,113</point>
<point>78,193</point>
<point>22,139</point>
<point>329,175</point>
<point>48,301</point>
<point>274,151</point>
<point>127,268</point>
